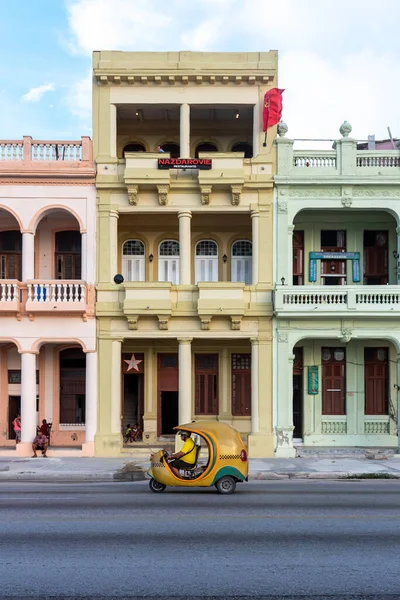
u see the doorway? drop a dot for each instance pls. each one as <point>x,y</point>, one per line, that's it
<point>168,396</point>
<point>14,409</point>
<point>298,393</point>
<point>133,400</point>
<point>169,412</point>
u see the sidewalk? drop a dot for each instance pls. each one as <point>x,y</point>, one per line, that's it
<point>58,470</point>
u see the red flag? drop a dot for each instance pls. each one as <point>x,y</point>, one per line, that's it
<point>272,108</point>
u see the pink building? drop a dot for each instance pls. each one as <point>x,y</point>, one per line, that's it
<point>48,361</point>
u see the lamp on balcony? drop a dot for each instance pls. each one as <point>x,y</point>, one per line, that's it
<point>395,254</point>
<point>118,279</point>
<point>282,280</point>
<point>151,258</point>
<point>224,258</point>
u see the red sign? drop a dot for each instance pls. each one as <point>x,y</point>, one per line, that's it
<point>184,163</point>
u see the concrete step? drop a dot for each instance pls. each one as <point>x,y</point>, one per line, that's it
<point>343,452</point>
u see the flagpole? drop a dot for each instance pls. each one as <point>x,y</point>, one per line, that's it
<point>266,123</point>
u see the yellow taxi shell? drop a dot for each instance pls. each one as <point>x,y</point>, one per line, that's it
<point>224,447</point>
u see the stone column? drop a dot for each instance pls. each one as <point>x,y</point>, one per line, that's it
<point>282,245</point>
<point>185,255</point>
<point>28,403</point>
<point>255,222</point>
<point>116,373</point>
<point>255,422</point>
<point>185,380</point>
<point>84,256</point>
<point>284,427</point>
<point>256,129</point>
<point>398,256</point>
<point>113,244</point>
<point>28,256</point>
<point>290,254</point>
<point>91,402</point>
<point>113,131</point>
<point>398,403</point>
<point>185,131</point>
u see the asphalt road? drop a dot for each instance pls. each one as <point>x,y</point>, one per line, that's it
<point>117,540</point>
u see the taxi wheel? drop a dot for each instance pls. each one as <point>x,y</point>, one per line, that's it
<point>226,485</point>
<point>155,486</point>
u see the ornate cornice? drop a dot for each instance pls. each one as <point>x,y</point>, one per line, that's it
<point>116,77</point>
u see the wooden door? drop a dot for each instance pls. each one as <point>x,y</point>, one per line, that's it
<point>14,409</point>
<point>168,390</point>
<point>333,272</point>
<point>333,381</point>
<point>10,255</point>
<point>206,369</point>
<point>68,258</point>
<point>376,258</point>
<point>376,381</point>
<point>298,258</point>
<point>298,393</point>
<point>241,385</point>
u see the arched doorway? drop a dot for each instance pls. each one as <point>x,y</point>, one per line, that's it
<point>205,147</point>
<point>243,147</point>
<point>133,147</point>
<point>172,148</point>
<point>10,247</point>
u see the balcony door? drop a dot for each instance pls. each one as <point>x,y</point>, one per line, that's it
<point>206,267</point>
<point>10,255</point>
<point>133,261</point>
<point>241,261</point>
<point>68,257</point>
<point>168,261</point>
<point>376,381</point>
<point>376,258</point>
<point>298,258</point>
<point>206,386</point>
<point>333,272</point>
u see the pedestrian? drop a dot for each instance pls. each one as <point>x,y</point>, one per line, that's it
<point>159,149</point>
<point>40,442</point>
<point>17,428</point>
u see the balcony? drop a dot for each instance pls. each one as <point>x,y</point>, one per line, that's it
<point>221,298</point>
<point>56,297</point>
<point>10,296</point>
<point>147,298</point>
<point>361,300</point>
<point>40,159</point>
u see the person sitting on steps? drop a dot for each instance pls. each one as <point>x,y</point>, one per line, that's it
<point>186,457</point>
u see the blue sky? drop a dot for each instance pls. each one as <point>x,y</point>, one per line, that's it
<point>339,59</point>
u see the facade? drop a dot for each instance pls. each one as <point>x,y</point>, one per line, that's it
<point>337,298</point>
<point>48,361</point>
<point>184,294</point>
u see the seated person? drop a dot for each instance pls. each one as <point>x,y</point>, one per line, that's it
<point>40,443</point>
<point>186,457</point>
<point>128,433</point>
<point>137,433</point>
<point>44,428</point>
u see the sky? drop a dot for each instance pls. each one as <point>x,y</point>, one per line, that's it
<point>338,59</point>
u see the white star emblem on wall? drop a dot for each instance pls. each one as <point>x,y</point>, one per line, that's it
<point>133,363</point>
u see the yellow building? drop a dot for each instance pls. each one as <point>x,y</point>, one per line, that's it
<point>184,295</point>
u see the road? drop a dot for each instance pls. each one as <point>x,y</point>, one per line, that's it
<point>116,540</point>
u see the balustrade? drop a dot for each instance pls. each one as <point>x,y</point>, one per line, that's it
<point>9,292</point>
<point>55,292</point>
<point>344,298</point>
<point>68,151</point>
<point>11,150</point>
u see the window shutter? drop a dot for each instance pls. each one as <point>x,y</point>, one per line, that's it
<point>168,270</point>
<point>206,269</point>
<point>133,268</point>
<point>242,269</point>
<point>206,384</point>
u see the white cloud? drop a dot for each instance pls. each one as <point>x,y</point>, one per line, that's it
<point>79,97</point>
<point>35,94</point>
<point>338,58</point>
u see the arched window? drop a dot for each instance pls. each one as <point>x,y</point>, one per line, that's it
<point>205,147</point>
<point>243,147</point>
<point>132,147</point>
<point>242,251</point>
<point>206,263</point>
<point>172,148</point>
<point>168,261</point>
<point>133,261</point>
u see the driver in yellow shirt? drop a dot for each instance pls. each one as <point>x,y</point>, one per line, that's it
<point>186,457</point>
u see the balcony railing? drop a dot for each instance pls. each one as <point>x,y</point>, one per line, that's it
<point>344,160</point>
<point>320,299</point>
<point>9,295</point>
<point>56,295</point>
<point>44,157</point>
